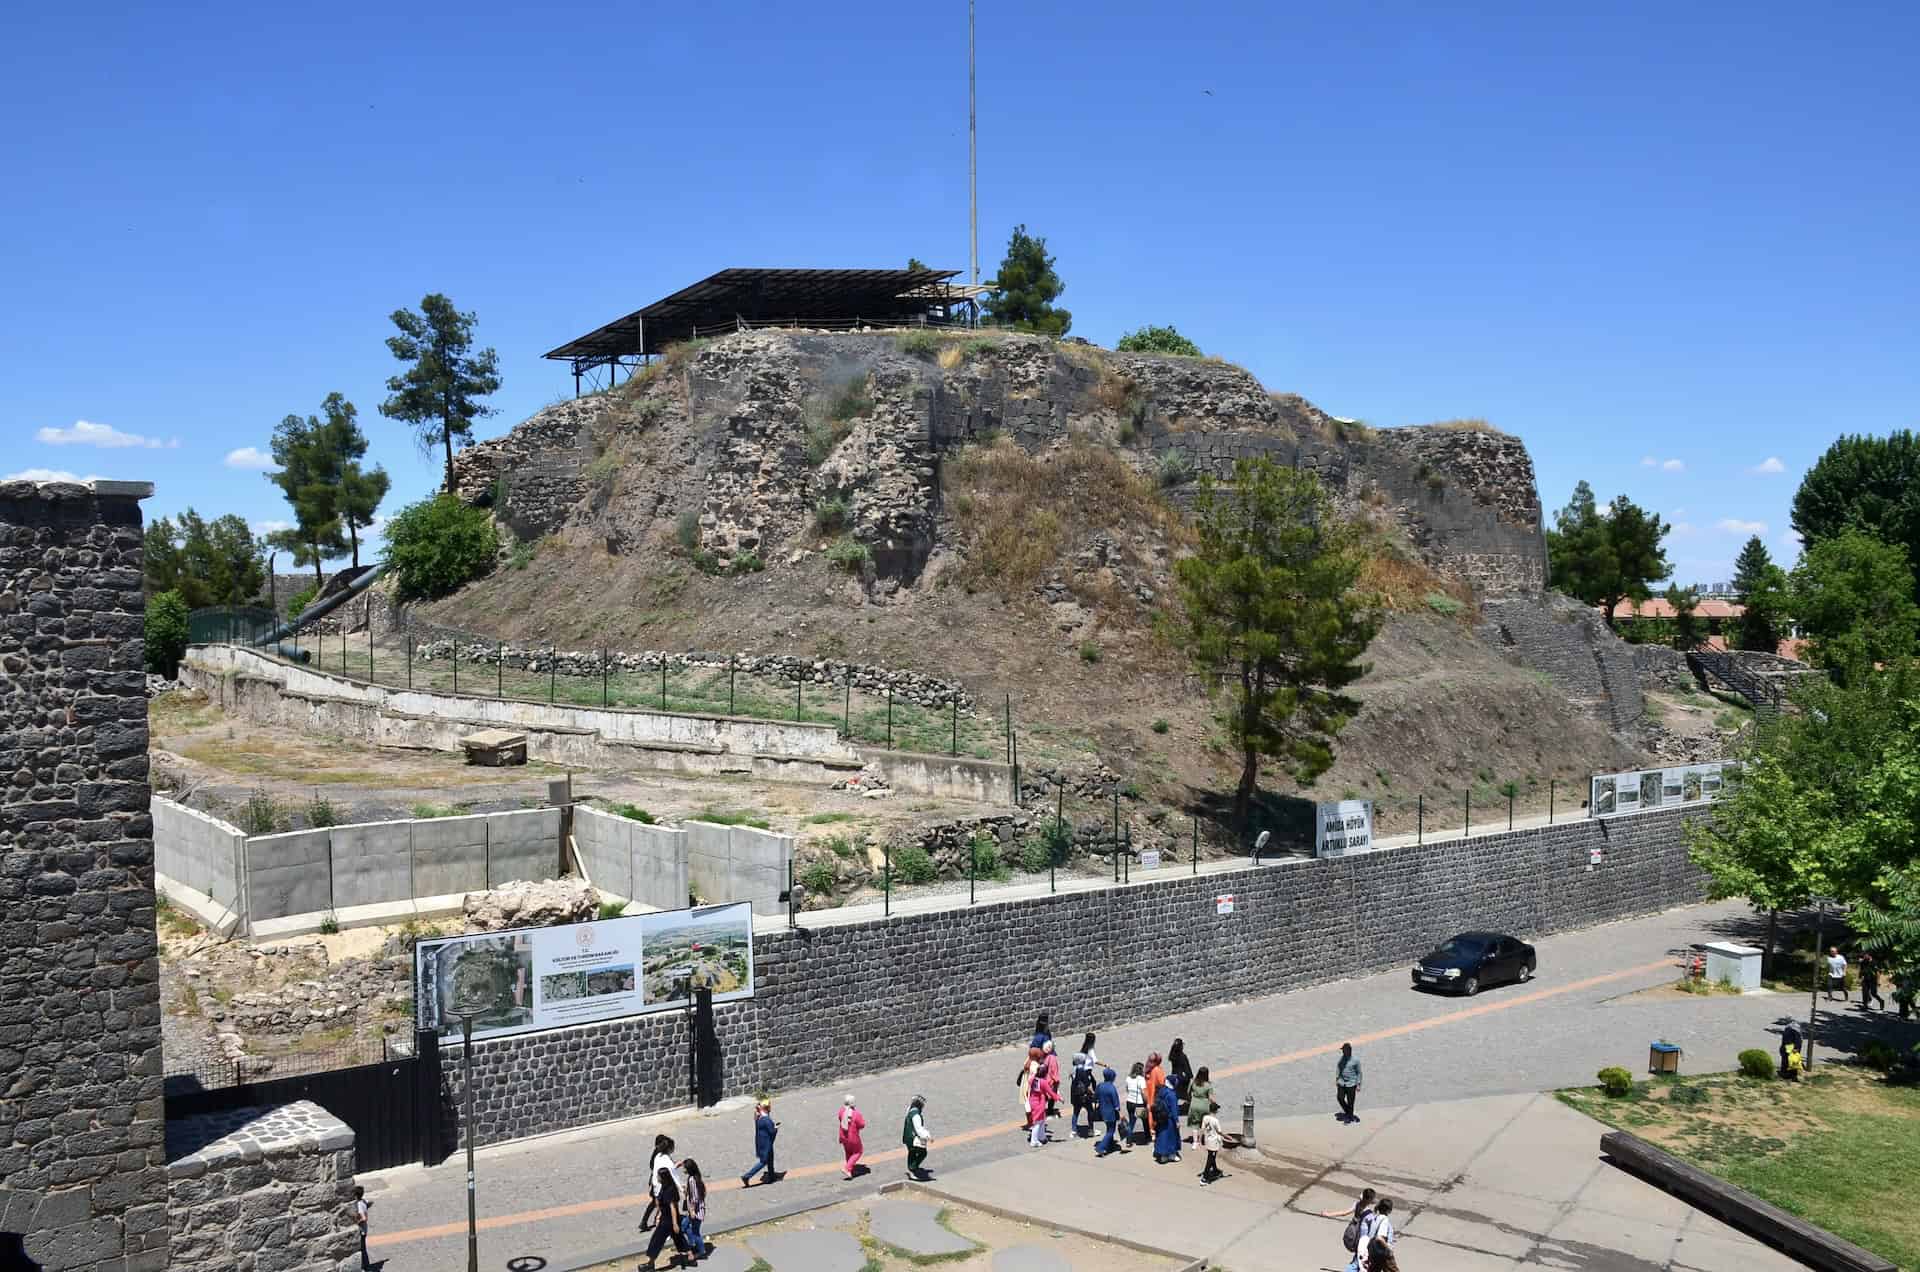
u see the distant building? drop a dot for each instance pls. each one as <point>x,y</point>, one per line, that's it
<point>1720,614</point>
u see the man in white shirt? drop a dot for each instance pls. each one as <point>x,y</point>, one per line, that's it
<point>1836,973</point>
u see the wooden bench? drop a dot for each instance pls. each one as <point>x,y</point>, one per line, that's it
<point>495,748</point>
<point>1813,1246</point>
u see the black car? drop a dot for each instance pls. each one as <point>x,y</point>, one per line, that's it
<point>1466,963</point>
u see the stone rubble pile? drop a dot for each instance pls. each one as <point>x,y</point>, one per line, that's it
<point>907,686</point>
<point>530,903</point>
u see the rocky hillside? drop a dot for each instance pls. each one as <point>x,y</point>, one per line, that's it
<point>1003,510</point>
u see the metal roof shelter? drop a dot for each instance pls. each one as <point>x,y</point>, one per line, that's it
<point>768,297</point>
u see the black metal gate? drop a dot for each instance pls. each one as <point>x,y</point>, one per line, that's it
<point>394,1107</point>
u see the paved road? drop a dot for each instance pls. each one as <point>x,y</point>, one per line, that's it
<point>570,1199</point>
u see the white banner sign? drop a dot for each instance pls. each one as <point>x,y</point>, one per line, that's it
<point>1342,828</point>
<point>1617,793</point>
<point>1149,859</point>
<point>1223,904</point>
<point>528,979</point>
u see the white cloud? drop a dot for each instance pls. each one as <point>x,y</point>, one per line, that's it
<point>251,458</point>
<point>1648,461</point>
<point>104,436</point>
<point>269,526</point>
<point>1682,529</point>
<point>1768,466</point>
<point>1664,465</point>
<point>47,474</point>
<point>1733,525</point>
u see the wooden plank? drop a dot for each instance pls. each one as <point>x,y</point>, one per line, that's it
<point>1814,1246</point>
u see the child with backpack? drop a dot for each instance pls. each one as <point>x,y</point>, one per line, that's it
<point>1357,1219</point>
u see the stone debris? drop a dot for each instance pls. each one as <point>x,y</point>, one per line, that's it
<point>527,903</point>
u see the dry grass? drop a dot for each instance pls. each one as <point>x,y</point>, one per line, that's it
<point>1468,426</point>
<point>1406,585</point>
<point>1115,392</point>
<point>1018,514</point>
<point>952,354</point>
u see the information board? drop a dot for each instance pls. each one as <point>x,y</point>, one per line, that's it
<point>1343,827</point>
<point>1640,789</point>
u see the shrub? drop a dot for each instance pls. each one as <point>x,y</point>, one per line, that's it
<point>718,816</point>
<point>748,562</point>
<point>979,345</point>
<point>1175,468</point>
<point>1161,726</point>
<point>321,812</point>
<point>632,812</point>
<point>913,864</point>
<point>329,923</point>
<point>1688,1093</point>
<point>1158,340</point>
<point>840,846</point>
<point>686,530</point>
<point>849,554</point>
<point>1878,1054</point>
<point>1755,1063</point>
<point>439,544</point>
<point>601,472</point>
<point>919,344</point>
<point>166,633</point>
<point>851,402</point>
<point>261,815</point>
<point>522,555</point>
<point>426,812</point>
<point>1089,652</point>
<point>1615,1081</point>
<point>831,515</point>
<point>819,877</point>
<point>822,437</point>
<point>1058,837</point>
<point>610,909</point>
<point>1442,604</point>
<point>986,858</point>
<point>1034,856</point>
<point>298,602</point>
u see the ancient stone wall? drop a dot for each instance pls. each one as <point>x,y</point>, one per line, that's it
<point>1465,497</point>
<point>832,999</point>
<point>82,1165</point>
<point>540,466</point>
<point>1571,644</point>
<point>258,1188</point>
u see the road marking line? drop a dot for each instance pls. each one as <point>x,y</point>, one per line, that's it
<point>977,1134</point>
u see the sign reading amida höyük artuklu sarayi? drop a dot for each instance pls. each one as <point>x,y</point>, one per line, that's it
<point>1342,827</point>
<point>528,979</point>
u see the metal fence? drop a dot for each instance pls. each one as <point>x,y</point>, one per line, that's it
<point>230,624</point>
<point>209,1074</point>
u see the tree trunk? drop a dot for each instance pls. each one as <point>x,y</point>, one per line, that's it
<point>1612,602</point>
<point>319,579</point>
<point>354,536</point>
<point>1773,925</point>
<point>446,436</point>
<point>1250,756</point>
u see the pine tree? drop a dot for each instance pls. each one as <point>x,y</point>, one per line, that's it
<point>309,477</point>
<point>439,393</point>
<point>1025,288</point>
<point>1606,559</point>
<point>1268,610</point>
<point>1750,568</point>
<point>359,491</point>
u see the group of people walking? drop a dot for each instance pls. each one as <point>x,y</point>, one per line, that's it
<point>1157,1097</point>
<point>1369,1236</point>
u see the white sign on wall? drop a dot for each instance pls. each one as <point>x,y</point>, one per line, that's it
<point>1223,904</point>
<point>1341,828</point>
<point>543,978</point>
<point>1149,858</point>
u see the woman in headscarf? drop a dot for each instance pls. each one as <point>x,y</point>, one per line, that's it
<point>1040,1094</point>
<point>1166,1125</point>
<point>1179,1071</point>
<point>1051,1062</point>
<point>917,1138</point>
<point>1156,1078</point>
<point>1024,1084</point>
<point>852,1122</point>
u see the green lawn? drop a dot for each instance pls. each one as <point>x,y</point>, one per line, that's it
<point>1840,1149</point>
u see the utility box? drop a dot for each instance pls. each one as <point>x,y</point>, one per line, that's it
<point>1663,1057</point>
<point>1738,965</point>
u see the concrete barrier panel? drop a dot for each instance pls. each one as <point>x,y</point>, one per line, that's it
<point>197,850</point>
<point>372,863</point>
<point>605,844</point>
<point>759,872</point>
<point>449,855</point>
<point>659,867</point>
<point>287,874</point>
<point>523,845</point>
<point>709,861</point>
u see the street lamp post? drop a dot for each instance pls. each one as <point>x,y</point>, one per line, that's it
<point>1813,1007</point>
<point>467,1010</point>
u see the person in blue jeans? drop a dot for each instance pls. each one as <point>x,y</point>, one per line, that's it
<point>693,1208</point>
<point>1106,1098</point>
<point>764,1131</point>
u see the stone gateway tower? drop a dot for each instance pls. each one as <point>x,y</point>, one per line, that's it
<point>83,1175</point>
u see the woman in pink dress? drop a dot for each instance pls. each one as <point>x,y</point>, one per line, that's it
<point>852,1122</point>
<point>1040,1093</point>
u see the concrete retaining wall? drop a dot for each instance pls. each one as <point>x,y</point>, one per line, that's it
<point>631,859</point>
<point>738,863</point>
<point>198,850</point>
<point>861,997</point>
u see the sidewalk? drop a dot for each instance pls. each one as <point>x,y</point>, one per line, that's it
<point>576,1197</point>
<point>1490,1185</point>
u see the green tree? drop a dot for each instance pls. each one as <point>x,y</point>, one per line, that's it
<point>1863,483</point>
<point>914,262</point>
<point>309,478</point>
<point>1816,808</point>
<point>438,544</point>
<point>1269,612</point>
<point>1158,340</point>
<point>214,562</point>
<point>1853,596</point>
<point>1688,630</point>
<point>1750,568</point>
<point>439,393</point>
<point>166,633</point>
<point>1024,290</point>
<point>358,491</point>
<point>1604,558</point>
<point>1763,621</point>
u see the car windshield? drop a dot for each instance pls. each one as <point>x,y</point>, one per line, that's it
<point>1462,947</point>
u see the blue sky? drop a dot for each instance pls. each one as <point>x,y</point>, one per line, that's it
<point>1665,244</point>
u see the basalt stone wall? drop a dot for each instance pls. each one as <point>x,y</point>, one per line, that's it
<point>861,997</point>
<point>1570,644</point>
<point>259,1188</point>
<point>82,1123</point>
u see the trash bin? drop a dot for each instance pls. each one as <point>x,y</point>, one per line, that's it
<point>1663,1057</point>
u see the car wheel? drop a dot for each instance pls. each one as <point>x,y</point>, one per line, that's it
<point>1526,972</point>
<point>1470,986</point>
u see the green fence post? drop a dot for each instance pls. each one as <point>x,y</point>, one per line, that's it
<point>886,878</point>
<point>552,671</point>
<point>846,709</point>
<point>955,749</point>
<point>798,682</point>
<point>663,682</point>
<point>1196,845</point>
<point>889,717</point>
<point>1059,830</point>
<point>369,648</point>
<point>730,710</point>
<point>1468,832</point>
<point>343,646</point>
<point>1009,723</point>
<point>973,864</point>
<point>1420,820</point>
<point>1550,785</point>
<point>603,675</point>
<point>456,665</point>
<point>409,662</point>
<point>1509,810</point>
<point>500,669</point>
<point>1016,770</point>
